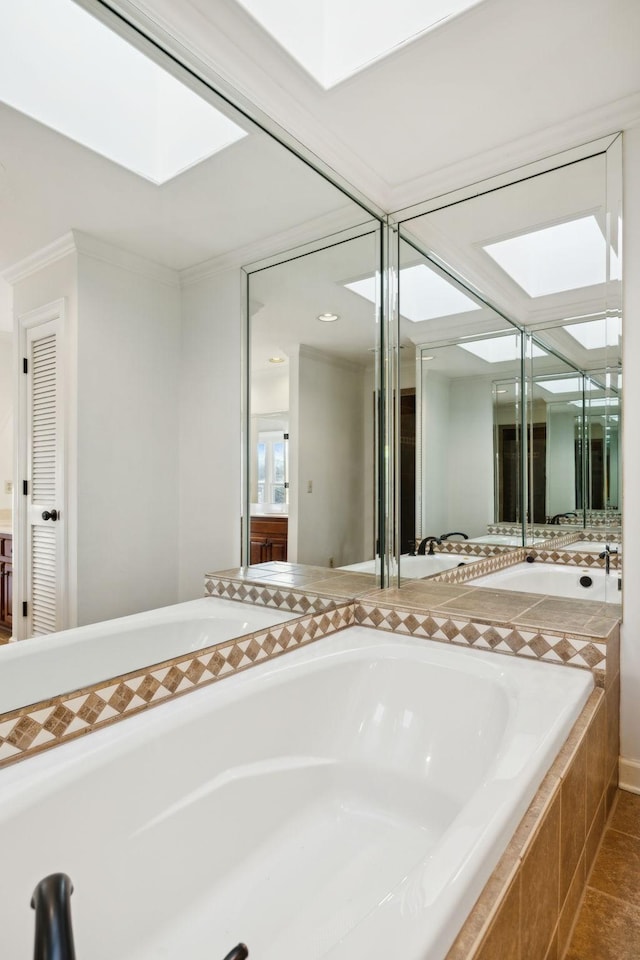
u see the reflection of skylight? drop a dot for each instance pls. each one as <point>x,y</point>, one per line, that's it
<point>424,294</point>
<point>334,40</point>
<point>594,402</point>
<point>65,69</point>
<point>499,349</point>
<point>563,385</point>
<point>596,334</point>
<point>567,256</point>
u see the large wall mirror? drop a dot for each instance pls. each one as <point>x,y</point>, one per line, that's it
<point>511,340</point>
<point>313,346</point>
<point>130,235</point>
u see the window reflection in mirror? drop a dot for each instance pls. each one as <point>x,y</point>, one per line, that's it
<point>313,346</point>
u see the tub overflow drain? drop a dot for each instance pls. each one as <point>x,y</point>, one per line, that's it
<point>586,581</point>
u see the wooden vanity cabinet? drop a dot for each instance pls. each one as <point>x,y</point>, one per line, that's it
<point>268,539</point>
<point>6,577</point>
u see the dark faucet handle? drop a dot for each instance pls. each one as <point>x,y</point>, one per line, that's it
<point>238,953</point>
<point>51,902</point>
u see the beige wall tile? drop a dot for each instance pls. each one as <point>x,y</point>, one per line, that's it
<point>596,772</point>
<point>540,887</point>
<point>502,941</point>
<point>570,909</point>
<point>572,818</point>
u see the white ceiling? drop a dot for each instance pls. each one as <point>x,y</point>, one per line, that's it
<point>504,81</point>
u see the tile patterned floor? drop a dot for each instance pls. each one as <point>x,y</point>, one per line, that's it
<point>608,924</point>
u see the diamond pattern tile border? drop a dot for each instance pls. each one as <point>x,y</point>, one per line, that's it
<point>31,730</point>
<point>269,595</point>
<point>586,652</point>
<point>481,568</point>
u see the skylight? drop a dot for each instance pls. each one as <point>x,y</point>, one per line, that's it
<point>567,256</point>
<point>334,40</point>
<point>65,69</point>
<point>598,402</point>
<point>499,349</point>
<point>563,385</point>
<point>596,334</point>
<point>424,294</point>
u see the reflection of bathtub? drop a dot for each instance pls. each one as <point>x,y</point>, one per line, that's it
<point>554,579</point>
<point>43,667</point>
<point>506,541</point>
<point>347,800</point>
<point>415,567</point>
<point>591,546</point>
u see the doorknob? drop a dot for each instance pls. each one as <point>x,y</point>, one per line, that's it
<point>53,515</point>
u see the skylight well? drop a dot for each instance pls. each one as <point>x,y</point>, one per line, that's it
<point>566,256</point>
<point>334,40</point>
<point>424,294</point>
<point>65,69</point>
<point>596,334</point>
<point>499,349</point>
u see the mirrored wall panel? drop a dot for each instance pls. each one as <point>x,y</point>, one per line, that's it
<point>536,254</point>
<point>131,244</point>
<point>313,397</point>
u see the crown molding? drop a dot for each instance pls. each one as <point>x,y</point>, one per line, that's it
<point>342,363</point>
<point>604,121</point>
<point>302,239</point>
<point>42,258</point>
<point>90,246</point>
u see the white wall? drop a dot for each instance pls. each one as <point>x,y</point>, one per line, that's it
<point>128,422</point>
<point>630,664</point>
<point>435,432</point>
<point>561,461</point>
<point>6,417</point>
<point>210,426</point>
<point>329,448</point>
<point>469,446</point>
<point>457,455</point>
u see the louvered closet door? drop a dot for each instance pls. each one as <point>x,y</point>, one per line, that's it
<point>44,481</point>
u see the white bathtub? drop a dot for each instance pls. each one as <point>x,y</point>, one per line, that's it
<point>46,666</point>
<point>347,801</point>
<point>506,541</point>
<point>591,546</point>
<point>554,579</point>
<point>414,568</point>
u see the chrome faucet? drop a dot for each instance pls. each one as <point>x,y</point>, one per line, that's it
<point>606,556</point>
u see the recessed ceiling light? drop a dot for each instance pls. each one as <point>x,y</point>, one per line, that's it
<point>327,317</point>
<point>499,349</point>
<point>566,256</point>
<point>276,359</point>
<point>428,358</point>
<point>424,294</point>
<point>104,93</point>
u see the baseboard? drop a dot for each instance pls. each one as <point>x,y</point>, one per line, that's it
<point>629,775</point>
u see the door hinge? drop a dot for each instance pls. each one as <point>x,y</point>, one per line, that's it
<point>24,608</point>
<point>25,488</point>
<point>285,436</point>
<point>25,365</point>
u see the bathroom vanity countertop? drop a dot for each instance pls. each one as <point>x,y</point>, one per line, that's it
<point>6,529</point>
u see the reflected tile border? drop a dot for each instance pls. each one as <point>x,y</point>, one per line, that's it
<point>480,568</point>
<point>30,730</point>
